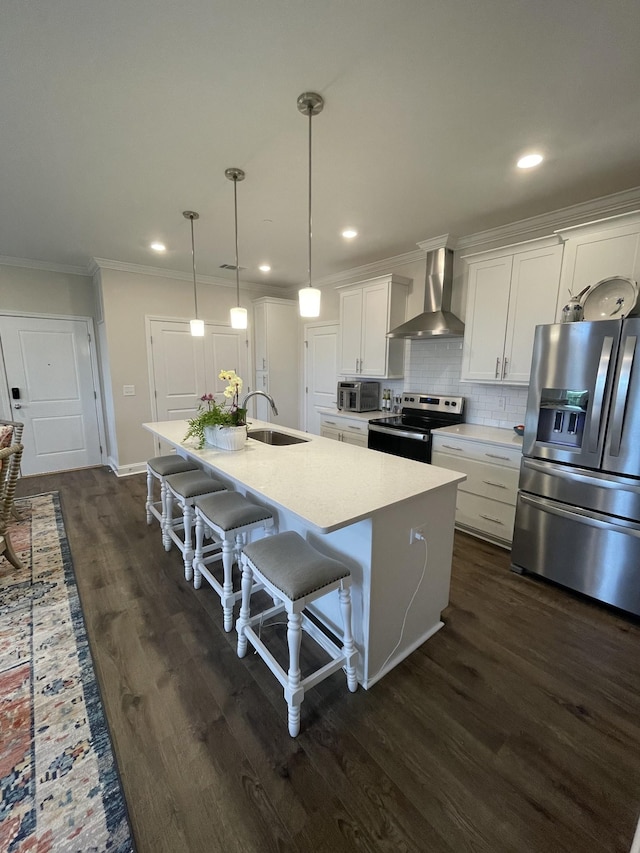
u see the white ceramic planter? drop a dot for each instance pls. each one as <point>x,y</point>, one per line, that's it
<point>226,437</point>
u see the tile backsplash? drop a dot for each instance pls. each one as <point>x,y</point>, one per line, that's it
<point>435,366</point>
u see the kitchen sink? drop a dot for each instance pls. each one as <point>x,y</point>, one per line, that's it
<point>272,436</point>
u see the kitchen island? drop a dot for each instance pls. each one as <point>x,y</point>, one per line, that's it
<point>359,506</point>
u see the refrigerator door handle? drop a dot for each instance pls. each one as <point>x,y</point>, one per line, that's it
<point>620,402</point>
<point>583,516</point>
<point>574,476</point>
<point>595,419</point>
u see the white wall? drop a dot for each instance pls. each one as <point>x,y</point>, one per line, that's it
<point>127,299</point>
<point>38,291</point>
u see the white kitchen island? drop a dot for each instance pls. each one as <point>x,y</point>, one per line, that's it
<point>359,506</point>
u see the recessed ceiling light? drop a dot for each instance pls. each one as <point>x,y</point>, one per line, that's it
<point>349,233</point>
<point>529,161</point>
<point>158,247</point>
<point>264,268</point>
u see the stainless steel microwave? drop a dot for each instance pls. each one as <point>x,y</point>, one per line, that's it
<point>358,396</point>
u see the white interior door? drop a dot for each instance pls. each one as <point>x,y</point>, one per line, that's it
<point>51,364</point>
<point>184,368</point>
<point>321,365</point>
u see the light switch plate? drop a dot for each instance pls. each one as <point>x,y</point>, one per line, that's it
<point>128,390</point>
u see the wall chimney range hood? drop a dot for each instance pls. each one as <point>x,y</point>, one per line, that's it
<point>436,321</point>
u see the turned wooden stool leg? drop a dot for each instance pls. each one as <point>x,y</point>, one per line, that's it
<point>228,598</point>
<point>245,605</point>
<point>348,646</point>
<point>150,479</point>
<point>293,692</point>
<point>197,558</point>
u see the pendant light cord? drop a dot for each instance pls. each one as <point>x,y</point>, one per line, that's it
<point>310,110</point>
<point>193,263</point>
<point>235,209</point>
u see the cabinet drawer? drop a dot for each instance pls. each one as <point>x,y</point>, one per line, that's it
<point>347,425</point>
<point>494,453</point>
<point>487,516</point>
<point>484,479</point>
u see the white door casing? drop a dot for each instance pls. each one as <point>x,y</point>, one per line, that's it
<point>52,363</point>
<point>321,363</point>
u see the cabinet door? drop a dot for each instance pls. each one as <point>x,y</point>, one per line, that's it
<point>260,336</point>
<point>486,319</point>
<point>329,432</point>
<point>262,407</point>
<point>590,257</point>
<point>535,279</point>
<point>375,312</point>
<point>350,331</point>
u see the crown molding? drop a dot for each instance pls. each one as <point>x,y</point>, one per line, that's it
<point>375,268</point>
<point>617,204</point>
<point>442,242</point>
<point>48,266</point>
<point>160,272</point>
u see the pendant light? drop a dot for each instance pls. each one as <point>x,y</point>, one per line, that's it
<point>197,326</point>
<point>238,314</point>
<point>310,104</point>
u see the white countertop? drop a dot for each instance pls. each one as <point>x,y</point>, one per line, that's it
<point>358,416</point>
<point>328,484</point>
<point>480,432</point>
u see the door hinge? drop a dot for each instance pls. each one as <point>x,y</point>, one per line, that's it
<point>306,389</point>
<point>306,343</point>
<point>151,339</point>
<point>89,338</point>
<point>95,395</point>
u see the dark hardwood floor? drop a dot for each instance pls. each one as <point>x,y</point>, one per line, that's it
<point>515,728</point>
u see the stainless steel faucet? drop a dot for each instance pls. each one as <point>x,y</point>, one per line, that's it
<point>274,409</point>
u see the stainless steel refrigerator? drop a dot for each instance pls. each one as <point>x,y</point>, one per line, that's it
<point>578,512</point>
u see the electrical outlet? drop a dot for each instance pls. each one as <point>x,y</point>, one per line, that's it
<point>128,390</point>
<point>502,402</point>
<point>416,534</point>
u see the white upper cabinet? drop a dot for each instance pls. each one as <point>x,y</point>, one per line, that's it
<point>593,252</point>
<point>509,292</point>
<point>368,310</point>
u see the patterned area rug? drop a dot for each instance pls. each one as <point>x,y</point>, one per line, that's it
<point>59,785</point>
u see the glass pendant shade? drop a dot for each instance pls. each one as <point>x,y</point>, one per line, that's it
<point>197,328</point>
<point>238,318</point>
<point>309,301</point>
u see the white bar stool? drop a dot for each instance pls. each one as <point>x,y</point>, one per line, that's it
<point>157,469</point>
<point>296,574</point>
<point>184,489</point>
<point>231,517</point>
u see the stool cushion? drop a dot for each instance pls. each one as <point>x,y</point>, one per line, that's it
<point>294,566</point>
<point>230,510</point>
<point>189,484</point>
<point>174,464</point>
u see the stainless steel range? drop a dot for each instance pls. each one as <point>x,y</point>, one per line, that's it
<point>408,434</point>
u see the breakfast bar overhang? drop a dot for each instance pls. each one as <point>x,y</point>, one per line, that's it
<point>359,506</point>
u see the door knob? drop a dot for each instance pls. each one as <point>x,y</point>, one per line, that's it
<point>17,405</point>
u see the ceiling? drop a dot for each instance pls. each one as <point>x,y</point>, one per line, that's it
<point>117,116</point>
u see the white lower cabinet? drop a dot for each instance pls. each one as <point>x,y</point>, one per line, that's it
<point>350,430</point>
<point>486,503</point>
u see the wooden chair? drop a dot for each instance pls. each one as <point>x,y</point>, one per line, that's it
<point>11,433</point>
<point>9,468</point>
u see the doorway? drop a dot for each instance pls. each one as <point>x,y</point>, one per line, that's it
<point>50,383</point>
<point>320,371</point>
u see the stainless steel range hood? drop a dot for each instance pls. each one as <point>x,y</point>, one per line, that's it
<point>436,321</point>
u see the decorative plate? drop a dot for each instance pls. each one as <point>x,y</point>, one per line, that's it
<point>611,298</point>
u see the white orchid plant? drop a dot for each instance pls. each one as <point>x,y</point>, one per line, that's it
<point>212,413</point>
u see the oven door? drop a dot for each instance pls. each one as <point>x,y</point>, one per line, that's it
<point>400,442</point>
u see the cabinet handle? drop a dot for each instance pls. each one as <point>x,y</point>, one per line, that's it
<point>497,376</point>
<point>333,423</point>
<point>497,456</point>
<point>264,363</point>
<point>491,518</point>
<point>505,368</point>
<point>359,429</point>
<point>451,447</point>
<point>497,485</point>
